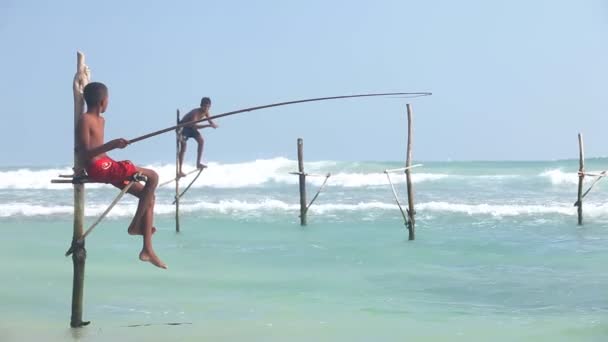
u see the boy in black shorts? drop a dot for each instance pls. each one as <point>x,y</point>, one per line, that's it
<point>191,131</point>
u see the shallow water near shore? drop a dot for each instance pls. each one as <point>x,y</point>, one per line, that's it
<point>498,256</point>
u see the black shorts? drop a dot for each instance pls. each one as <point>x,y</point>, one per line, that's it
<point>189,132</point>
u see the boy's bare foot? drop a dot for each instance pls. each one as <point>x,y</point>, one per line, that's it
<point>134,231</point>
<point>152,258</point>
<point>201,166</point>
<point>181,174</point>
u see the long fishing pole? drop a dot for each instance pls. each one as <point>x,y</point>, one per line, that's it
<point>250,109</point>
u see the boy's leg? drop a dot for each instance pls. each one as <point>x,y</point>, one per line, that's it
<point>182,152</point>
<point>199,154</point>
<point>147,252</point>
<point>147,217</point>
<point>135,228</point>
<point>144,217</point>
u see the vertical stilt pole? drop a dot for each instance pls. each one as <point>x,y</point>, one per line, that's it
<point>81,79</point>
<point>177,150</point>
<point>302,182</point>
<point>411,212</point>
<point>581,177</point>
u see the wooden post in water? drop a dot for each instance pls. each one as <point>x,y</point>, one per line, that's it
<point>302,179</point>
<point>81,79</point>
<point>177,150</point>
<point>581,177</point>
<point>411,212</point>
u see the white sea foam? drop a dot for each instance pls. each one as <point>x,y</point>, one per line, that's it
<point>22,179</point>
<point>272,205</point>
<point>502,210</point>
<point>236,175</point>
<point>265,172</point>
<point>224,207</point>
<point>558,177</point>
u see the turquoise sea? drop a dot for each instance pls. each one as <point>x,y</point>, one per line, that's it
<point>498,256</point>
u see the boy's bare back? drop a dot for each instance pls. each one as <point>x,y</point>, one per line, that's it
<point>90,135</point>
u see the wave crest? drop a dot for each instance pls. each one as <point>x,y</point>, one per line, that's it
<point>272,205</point>
<point>235,175</point>
<point>558,177</point>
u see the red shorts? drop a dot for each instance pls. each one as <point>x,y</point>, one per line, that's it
<point>106,170</point>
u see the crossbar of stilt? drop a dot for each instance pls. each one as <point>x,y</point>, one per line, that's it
<point>173,180</point>
<point>307,174</point>
<point>601,174</point>
<point>402,168</point>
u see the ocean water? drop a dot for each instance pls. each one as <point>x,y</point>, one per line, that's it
<point>497,257</point>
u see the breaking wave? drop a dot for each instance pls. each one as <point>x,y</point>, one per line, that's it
<point>236,175</point>
<point>271,205</point>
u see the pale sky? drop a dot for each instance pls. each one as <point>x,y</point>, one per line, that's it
<point>511,80</point>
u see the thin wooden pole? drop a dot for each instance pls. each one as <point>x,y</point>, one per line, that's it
<point>250,109</point>
<point>411,212</point>
<point>581,178</point>
<point>302,179</point>
<point>81,79</point>
<point>177,150</point>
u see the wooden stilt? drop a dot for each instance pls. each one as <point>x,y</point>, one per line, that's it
<point>411,212</point>
<point>302,178</point>
<point>81,79</point>
<point>177,150</point>
<point>581,178</point>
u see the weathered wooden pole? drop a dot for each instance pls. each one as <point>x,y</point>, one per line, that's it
<point>177,150</point>
<point>302,179</point>
<point>581,178</point>
<point>411,212</point>
<point>81,79</point>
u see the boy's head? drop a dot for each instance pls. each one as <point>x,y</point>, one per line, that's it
<point>96,95</point>
<point>205,103</point>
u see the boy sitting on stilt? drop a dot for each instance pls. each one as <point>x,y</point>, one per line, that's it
<point>101,168</point>
<point>191,131</point>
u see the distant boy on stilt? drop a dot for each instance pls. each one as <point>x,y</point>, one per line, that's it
<point>101,168</point>
<point>191,131</point>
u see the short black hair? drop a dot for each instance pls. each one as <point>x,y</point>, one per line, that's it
<point>94,92</point>
<point>205,100</point>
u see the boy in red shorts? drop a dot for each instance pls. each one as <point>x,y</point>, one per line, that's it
<point>101,168</point>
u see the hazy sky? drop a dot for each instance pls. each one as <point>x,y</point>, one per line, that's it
<point>511,79</point>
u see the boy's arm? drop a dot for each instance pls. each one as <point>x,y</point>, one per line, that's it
<point>88,152</point>
<point>211,123</point>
